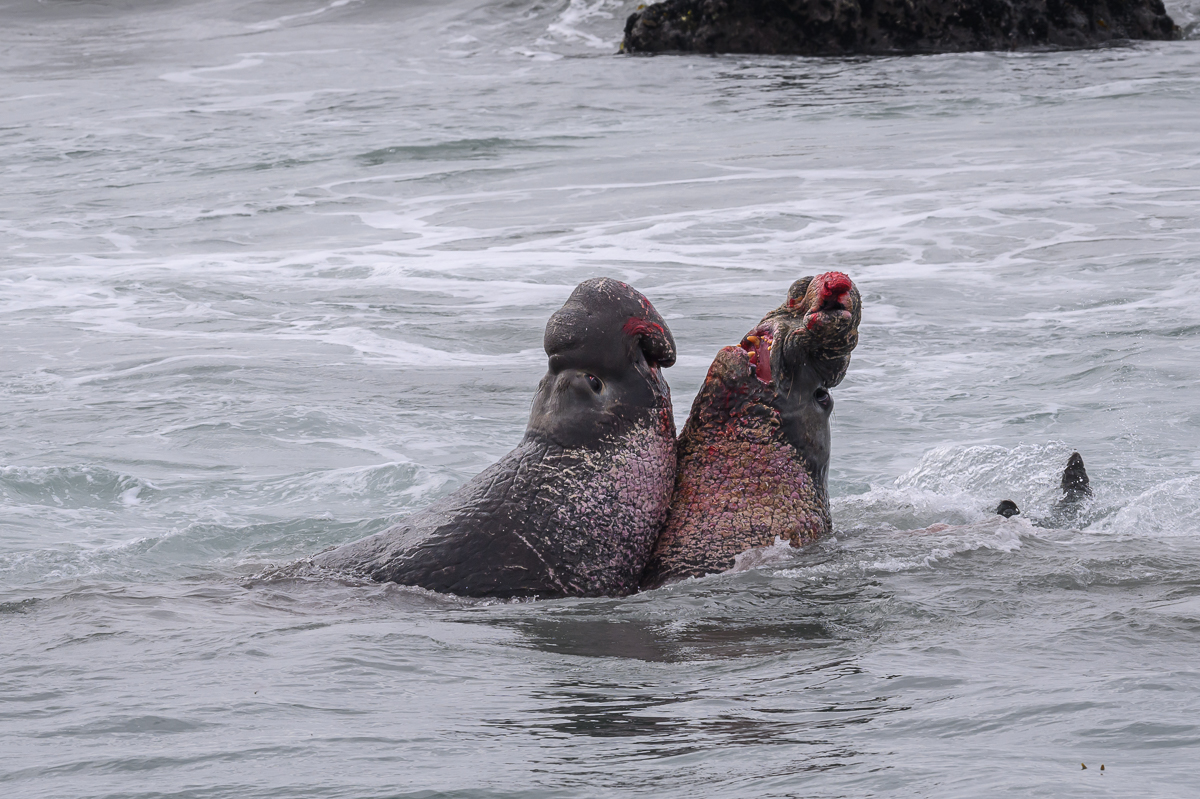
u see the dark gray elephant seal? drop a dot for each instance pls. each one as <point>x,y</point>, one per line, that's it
<point>575,508</point>
<point>754,454</point>
<point>1076,487</point>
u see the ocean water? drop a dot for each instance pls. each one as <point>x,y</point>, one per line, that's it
<point>274,274</point>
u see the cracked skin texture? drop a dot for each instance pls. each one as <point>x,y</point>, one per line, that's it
<point>575,508</point>
<point>753,457</point>
<point>846,27</point>
<point>542,521</point>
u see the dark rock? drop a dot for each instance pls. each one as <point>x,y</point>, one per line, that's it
<point>844,27</point>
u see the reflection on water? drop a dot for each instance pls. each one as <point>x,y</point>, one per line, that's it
<point>751,614</point>
<point>670,642</point>
<point>798,710</point>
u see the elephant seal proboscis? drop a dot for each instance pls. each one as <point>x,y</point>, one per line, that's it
<point>575,508</point>
<point>754,453</point>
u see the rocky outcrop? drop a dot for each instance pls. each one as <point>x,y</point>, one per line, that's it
<point>844,27</point>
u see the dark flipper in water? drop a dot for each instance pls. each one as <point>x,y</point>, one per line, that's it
<point>1075,487</point>
<point>1075,484</point>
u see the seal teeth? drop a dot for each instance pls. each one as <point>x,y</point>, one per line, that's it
<point>758,344</point>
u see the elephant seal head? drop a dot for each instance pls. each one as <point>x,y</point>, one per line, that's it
<point>607,347</point>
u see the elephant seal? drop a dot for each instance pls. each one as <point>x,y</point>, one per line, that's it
<point>1008,509</point>
<point>1076,487</point>
<point>754,453</point>
<point>575,508</point>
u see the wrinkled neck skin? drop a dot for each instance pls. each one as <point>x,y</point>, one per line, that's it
<point>568,413</point>
<point>753,458</point>
<point>591,514</point>
<point>573,510</point>
<point>601,475</point>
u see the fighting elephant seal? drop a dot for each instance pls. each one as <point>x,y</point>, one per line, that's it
<point>754,453</point>
<point>574,509</point>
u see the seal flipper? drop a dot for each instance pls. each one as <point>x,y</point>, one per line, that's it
<point>1075,483</point>
<point>1075,487</point>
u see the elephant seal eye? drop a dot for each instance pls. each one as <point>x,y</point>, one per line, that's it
<point>822,397</point>
<point>595,383</point>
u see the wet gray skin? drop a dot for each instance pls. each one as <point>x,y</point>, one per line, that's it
<point>575,508</point>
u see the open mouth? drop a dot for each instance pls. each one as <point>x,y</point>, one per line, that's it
<point>758,343</point>
<point>826,309</point>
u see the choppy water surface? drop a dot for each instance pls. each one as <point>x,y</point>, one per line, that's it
<point>275,273</point>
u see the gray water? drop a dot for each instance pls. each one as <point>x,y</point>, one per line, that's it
<point>274,274</point>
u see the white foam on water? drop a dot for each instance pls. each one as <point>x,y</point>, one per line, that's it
<point>780,551</point>
<point>408,353</point>
<point>1029,471</point>
<point>571,23</point>
<point>397,485</point>
<point>67,487</point>
<point>904,509</point>
<point>895,551</point>
<point>200,74</point>
<point>1169,510</point>
<point>278,22</point>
